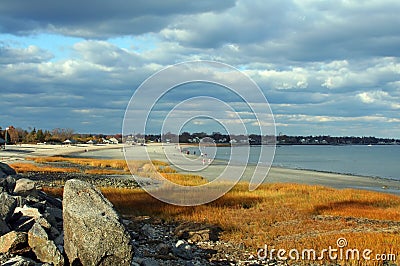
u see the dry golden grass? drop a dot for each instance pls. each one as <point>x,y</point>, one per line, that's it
<point>285,216</point>
<point>27,167</point>
<point>137,167</point>
<point>100,163</point>
<point>185,180</point>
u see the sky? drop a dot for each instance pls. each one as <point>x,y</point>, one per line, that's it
<point>325,67</point>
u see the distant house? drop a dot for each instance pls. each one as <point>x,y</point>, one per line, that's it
<point>105,141</point>
<point>68,141</point>
<point>113,141</point>
<point>91,142</point>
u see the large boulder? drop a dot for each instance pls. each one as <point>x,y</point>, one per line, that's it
<point>93,231</point>
<point>7,170</point>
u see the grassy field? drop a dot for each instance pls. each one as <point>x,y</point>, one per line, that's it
<point>282,216</point>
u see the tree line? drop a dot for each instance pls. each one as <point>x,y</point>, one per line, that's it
<point>255,139</point>
<point>13,135</point>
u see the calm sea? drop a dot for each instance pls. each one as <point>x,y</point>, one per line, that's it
<point>375,161</point>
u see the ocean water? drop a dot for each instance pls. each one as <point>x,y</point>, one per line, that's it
<point>374,161</point>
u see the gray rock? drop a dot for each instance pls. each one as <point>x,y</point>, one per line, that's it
<point>20,261</point>
<point>57,203</point>
<point>93,232</point>
<point>163,249</point>
<point>7,169</point>
<point>14,243</point>
<point>11,182</point>
<point>50,219</point>
<point>7,206</point>
<point>55,212</point>
<point>197,232</point>
<point>4,228</point>
<point>183,250</point>
<point>25,187</point>
<point>44,249</point>
<point>7,184</point>
<point>149,231</point>
<point>59,241</point>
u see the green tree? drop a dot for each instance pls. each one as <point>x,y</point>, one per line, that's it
<point>40,137</point>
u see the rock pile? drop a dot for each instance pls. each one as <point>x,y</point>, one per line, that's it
<point>30,223</point>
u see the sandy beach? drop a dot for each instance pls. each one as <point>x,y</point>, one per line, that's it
<point>14,153</point>
<point>194,165</point>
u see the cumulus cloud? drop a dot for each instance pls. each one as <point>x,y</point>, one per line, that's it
<point>30,54</point>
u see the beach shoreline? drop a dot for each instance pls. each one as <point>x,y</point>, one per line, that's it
<point>18,153</point>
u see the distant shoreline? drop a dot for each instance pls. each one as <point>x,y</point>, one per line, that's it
<point>275,175</point>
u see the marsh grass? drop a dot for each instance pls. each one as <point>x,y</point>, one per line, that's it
<point>28,167</point>
<point>285,216</point>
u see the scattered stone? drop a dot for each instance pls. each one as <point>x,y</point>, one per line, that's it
<point>163,249</point>
<point>183,250</point>
<point>196,232</point>
<point>149,231</point>
<point>93,232</point>
<point>25,187</point>
<point>14,243</point>
<point>44,249</point>
<point>7,206</point>
<point>6,169</point>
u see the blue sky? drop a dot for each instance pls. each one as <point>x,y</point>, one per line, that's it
<point>326,67</point>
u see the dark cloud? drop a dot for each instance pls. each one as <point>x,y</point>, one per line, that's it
<point>97,19</point>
